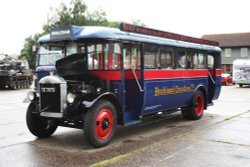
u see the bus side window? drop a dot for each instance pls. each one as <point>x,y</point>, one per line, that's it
<point>82,49</point>
<point>201,60</point>
<point>195,60</point>
<point>104,56</point>
<point>127,58</point>
<point>131,57</point>
<point>210,61</point>
<point>117,56</point>
<point>136,57</point>
<point>91,60</point>
<point>71,49</point>
<point>110,57</point>
<point>114,56</point>
<point>150,57</point>
<point>99,57</point>
<point>189,60</point>
<point>166,58</point>
<point>181,59</point>
<point>95,57</point>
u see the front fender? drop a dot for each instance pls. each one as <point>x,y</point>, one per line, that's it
<point>113,99</point>
<point>88,104</point>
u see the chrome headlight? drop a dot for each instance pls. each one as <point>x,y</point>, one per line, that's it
<point>71,97</point>
<point>31,95</point>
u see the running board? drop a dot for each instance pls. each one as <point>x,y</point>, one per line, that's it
<point>210,104</point>
<point>133,123</point>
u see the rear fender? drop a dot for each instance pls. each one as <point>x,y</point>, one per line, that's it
<point>204,90</point>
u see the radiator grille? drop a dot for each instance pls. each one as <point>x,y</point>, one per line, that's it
<point>50,97</point>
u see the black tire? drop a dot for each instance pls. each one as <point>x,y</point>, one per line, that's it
<point>196,108</point>
<point>39,126</point>
<point>14,86</point>
<point>100,124</point>
<point>240,85</point>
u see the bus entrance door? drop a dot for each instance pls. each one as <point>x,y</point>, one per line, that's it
<point>214,79</point>
<point>133,81</point>
<point>211,85</point>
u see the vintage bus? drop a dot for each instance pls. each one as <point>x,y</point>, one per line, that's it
<point>119,76</point>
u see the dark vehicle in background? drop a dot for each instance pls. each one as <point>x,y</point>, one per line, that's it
<point>14,74</point>
<point>226,79</point>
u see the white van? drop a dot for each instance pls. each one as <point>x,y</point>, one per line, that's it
<point>241,72</point>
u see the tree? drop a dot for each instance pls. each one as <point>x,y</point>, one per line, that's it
<point>27,51</point>
<point>77,14</point>
<point>97,18</point>
<point>138,23</point>
<point>73,14</point>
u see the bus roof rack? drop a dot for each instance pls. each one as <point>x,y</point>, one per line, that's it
<point>164,34</point>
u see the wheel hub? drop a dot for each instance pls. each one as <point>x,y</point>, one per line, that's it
<point>199,105</point>
<point>104,124</point>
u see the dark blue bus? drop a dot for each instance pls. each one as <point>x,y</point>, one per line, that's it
<point>119,76</point>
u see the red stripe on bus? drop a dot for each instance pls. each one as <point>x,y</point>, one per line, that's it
<point>174,74</point>
<point>154,74</point>
<point>218,72</point>
<point>115,75</point>
<point>129,74</point>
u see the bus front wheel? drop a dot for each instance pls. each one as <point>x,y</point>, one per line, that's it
<point>100,123</point>
<point>196,108</point>
<point>39,126</point>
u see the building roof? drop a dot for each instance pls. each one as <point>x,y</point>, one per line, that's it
<point>230,40</point>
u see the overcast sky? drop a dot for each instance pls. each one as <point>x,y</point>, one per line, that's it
<point>20,19</point>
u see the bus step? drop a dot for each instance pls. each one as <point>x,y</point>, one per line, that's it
<point>133,123</point>
<point>210,104</point>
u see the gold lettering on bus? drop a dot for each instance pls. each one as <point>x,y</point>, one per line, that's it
<point>164,91</point>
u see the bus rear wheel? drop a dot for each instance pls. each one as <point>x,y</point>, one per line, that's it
<point>100,123</point>
<point>196,109</point>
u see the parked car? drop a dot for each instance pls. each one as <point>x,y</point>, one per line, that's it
<point>226,79</point>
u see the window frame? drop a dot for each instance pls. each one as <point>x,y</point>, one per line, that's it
<point>105,56</point>
<point>132,48</point>
<point>227,52</point>
<point>178,60</point>
<point>165,50</point>
<point>153,51</point>
<point>244,51</point>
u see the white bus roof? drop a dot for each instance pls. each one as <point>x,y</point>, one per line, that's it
<point>241,62</point>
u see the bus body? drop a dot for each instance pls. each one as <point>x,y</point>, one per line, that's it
<point>241,72</point>
<point>119,76</point>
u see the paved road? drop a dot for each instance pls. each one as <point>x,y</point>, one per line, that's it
<point>220,138</point>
